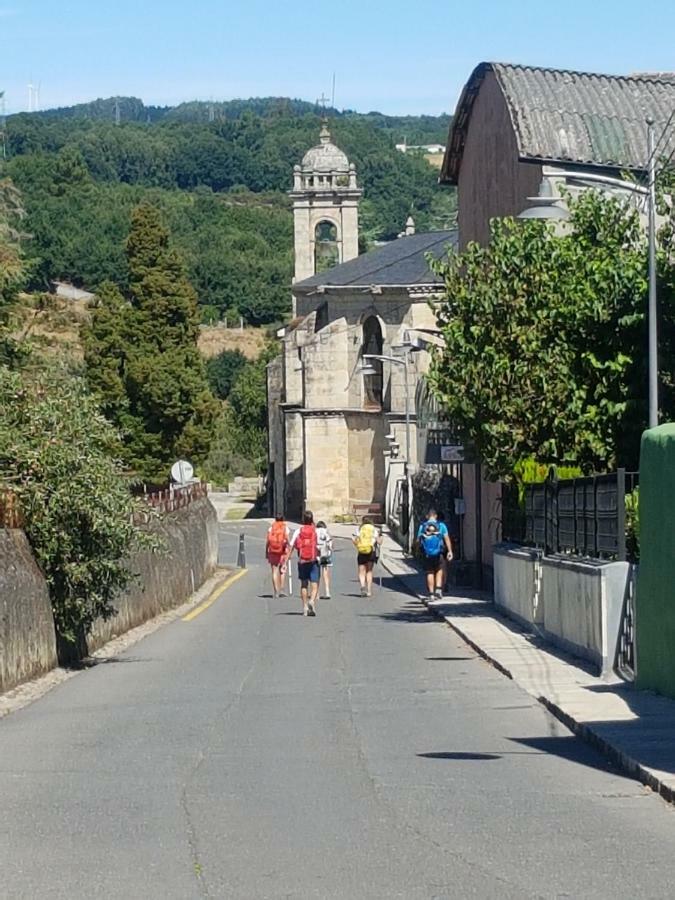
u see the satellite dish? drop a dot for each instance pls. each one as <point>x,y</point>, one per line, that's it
<point>182,472</point>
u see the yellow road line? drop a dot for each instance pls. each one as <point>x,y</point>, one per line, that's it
<point>214,596</point>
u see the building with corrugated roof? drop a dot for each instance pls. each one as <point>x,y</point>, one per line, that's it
<point>517,128</point>
<point>516,125</point>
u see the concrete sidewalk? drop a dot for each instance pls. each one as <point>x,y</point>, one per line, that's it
<point>635,729</point>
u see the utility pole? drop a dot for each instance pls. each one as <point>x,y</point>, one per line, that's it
<point>653,418</point>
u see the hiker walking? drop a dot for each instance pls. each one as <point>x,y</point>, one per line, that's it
<point>325,542</point>
<point>367,541</point>
<point>305,542</point>
<point>276,546</point>
<point>433,537</point>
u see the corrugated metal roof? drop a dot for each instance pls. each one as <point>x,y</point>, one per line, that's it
<point>401,262</point>
<point>573,117</point>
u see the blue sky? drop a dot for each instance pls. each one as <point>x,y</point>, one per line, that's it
<point>399,56</point>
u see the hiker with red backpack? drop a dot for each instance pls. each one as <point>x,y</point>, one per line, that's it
<point>278,541</point>
<point>306,542</point>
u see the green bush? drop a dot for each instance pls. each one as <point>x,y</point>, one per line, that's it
<point>61,457</point>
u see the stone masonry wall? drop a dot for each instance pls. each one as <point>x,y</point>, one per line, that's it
<point>166,579</point>
<point>27,639</point>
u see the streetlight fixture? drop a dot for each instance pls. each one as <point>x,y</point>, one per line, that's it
<point>545,207</point>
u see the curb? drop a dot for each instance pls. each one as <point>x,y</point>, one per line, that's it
<point>624,763</point>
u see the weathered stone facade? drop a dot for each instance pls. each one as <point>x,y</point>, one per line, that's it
<point>333,429</point>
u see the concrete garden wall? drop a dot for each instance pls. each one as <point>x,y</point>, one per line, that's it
<point>516,587</point>
<point>574,604</point>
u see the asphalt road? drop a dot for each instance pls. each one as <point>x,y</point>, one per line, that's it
<point>366,753</point>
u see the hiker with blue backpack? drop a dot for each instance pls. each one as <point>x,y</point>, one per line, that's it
<point>433,539</point>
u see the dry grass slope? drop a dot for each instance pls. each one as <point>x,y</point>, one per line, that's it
<point>54,323</point>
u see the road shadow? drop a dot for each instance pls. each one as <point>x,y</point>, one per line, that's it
<point>567,747</point>
<point>414,613</point>
<point>449,658</point>
<point>460,756</point>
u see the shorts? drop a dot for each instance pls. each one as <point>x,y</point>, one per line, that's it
<point>325,561</point>
<point>308,572</point>
<point>364,558</point>
<point>432,564</point>
<point>275,559</point>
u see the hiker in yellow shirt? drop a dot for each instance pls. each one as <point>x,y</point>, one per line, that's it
<point>367,540</point>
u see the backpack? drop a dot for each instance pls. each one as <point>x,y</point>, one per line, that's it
<point>306,544</point>
<point>276,540</point>
<point>365,540</point>
<point>323,537</point>
<point>432,542</point>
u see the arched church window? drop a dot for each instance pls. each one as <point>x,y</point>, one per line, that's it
<point>326,254</point>
<point>372,343</point>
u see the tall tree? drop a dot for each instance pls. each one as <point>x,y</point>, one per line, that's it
<point>142,358</point>
<point>545,341</point>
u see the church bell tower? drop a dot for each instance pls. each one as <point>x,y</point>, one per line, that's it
<point>325,208</point>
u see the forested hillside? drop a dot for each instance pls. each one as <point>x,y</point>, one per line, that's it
<point>219,173</point>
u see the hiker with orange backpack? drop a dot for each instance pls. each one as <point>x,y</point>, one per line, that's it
<point>278,542</point>
<point>306,542</point>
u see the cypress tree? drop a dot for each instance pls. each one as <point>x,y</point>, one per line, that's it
<point>142,356</point>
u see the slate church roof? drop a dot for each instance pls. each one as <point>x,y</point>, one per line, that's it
<point>572,117</point>
<point>401,262</point>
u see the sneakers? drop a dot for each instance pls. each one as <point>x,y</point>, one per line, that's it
<point>310,606</point>
<point>431,598</point>
<point>305,611</point>
<point>363,592</point>
<point>439,593</point>
<point>275,596</point>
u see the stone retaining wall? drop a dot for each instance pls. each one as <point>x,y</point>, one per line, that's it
<point>165,580</point>
<point>27,639</point>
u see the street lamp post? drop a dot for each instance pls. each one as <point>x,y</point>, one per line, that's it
<point>545,206</point>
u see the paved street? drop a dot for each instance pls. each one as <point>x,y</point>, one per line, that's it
<point>367,753</point>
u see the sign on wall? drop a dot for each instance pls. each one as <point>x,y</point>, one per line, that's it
<point>452,453</point>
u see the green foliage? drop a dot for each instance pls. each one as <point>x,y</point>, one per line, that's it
<point>633,524</point>
<point>142,358</point>
<point>60,457</point>
<point>12,264</point>
<point>223,370</point>
<point>544,337</point>
<point>221,185</point>
<point>59,454</point>
<point>240,440</point>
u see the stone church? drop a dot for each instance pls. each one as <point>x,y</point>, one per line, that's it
<point>337,427</point>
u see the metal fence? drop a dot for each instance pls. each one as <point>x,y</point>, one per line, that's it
<point>172,499</point>
<point>161,502</point>
<point>578,516</point>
